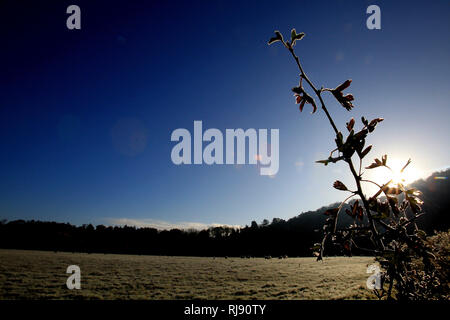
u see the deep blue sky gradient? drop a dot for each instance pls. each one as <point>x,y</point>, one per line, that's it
<point>69,97</point>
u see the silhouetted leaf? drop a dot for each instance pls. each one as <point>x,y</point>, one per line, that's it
<point>413,192</point>
<point>375,121</point>
<point>404,167</point>
<point>384,159</point>
<point>383,211</point>
<point>356,211</point>
<point>375,164</point>
<point>325,162</point>
<point>343,86</point>
<point>412,197</point>
<point>350,124</point>
<point>331,212</point>
<point>414,203</point>
<point>360,213</point>
<point>364,121</point>
<point>378,163</point>
<point>355,208</point>
<point>273,40</point>
<point>349,97</point>
<point>310,100</point>
<point>299,36</point>
<point>348,212</point>
<point>302,104</point>
<point>345,101</point>
<point>278,37</point>
<point>371,126</point>
<point>296,36</point>
<point>366,151</point>
<point>339,185</point>
<point>293,35</point>
<point>298,90</point>
<point>393,202</point>
<point>392,190</point>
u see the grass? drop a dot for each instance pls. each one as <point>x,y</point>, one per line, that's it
<point>42,275</point>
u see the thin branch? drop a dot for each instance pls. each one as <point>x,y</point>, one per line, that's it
<point>304,76</point>
<point>373,251</point>
<point>365,203</point>
<point>349,197</point>
<point>349,161</point>
<point>372,182</point>
<point>360,165</point>
<point>339,210</point>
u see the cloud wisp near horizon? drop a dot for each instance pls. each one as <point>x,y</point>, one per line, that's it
<point>163,225</point>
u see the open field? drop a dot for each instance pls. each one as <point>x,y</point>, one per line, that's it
<point>42,275</point>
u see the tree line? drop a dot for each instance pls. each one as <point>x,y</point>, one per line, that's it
<point>277,238</point>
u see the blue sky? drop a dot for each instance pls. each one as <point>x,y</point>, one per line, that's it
<point>70,98</point>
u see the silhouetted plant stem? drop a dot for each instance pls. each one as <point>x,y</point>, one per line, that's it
<point>365,203</point>
<point>370,181</point>
<point>387,219</point>
<point>317,92</point>
<point>349,160</point>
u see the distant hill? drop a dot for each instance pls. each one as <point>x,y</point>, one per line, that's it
<point>436,197</point>
<point>293,237</point>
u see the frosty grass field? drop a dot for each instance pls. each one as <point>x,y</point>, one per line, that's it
<point>42,275</point>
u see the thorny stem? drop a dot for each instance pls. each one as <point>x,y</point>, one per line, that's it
<point>349,161</point>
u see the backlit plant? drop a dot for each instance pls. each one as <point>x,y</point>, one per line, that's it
<point>384,224</point>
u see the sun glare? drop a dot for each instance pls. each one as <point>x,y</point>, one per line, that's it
<point>410,174</point>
